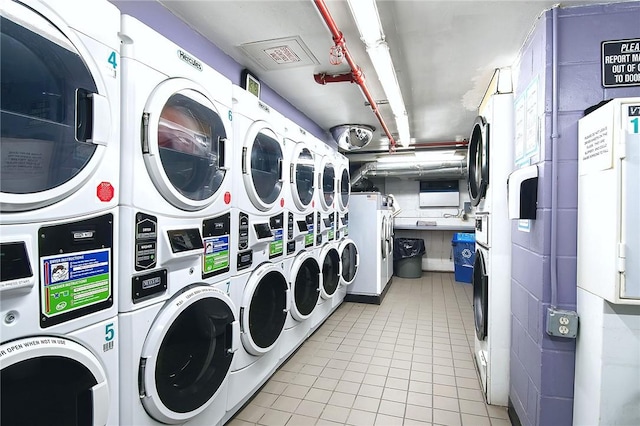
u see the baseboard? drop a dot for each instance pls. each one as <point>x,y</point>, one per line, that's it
<point>513,416</point>
<point>366,298</point>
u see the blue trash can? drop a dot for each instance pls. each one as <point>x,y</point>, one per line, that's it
<point>464,253</point>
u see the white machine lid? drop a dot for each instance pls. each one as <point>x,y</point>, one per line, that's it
<point>42,375</point>
<point>184,144</point>
<point>262,162</point>
<point>55,115</point>
<point>187,354</point>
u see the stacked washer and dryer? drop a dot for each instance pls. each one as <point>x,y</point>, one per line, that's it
<point>490,160</point>
<point>259,287</point>
<point>301,264</point>
<point>60,140</point>
<point>326,247</point>
<point>179,327</point>
<point>347,249</point>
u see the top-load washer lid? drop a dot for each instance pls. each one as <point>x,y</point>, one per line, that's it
<point>183,146</point>
<point>52,379</point>
<point>55,118</point>
<point>301,176</point>
<point>349,261</point>
<point>345,189</point>
<point>480,295</point>
<point>187,354</point>
<point>262,162</point>
<point>328,182</point>
<point>478,160</point>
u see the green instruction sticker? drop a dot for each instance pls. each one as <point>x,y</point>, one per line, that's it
<point>216,254</point>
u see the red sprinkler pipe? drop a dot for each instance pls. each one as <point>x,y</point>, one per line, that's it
<point>356,73</point>
<point>324,78</point>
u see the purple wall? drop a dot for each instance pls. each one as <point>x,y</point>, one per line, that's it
<point>542,367</point>
<point>163,21</point>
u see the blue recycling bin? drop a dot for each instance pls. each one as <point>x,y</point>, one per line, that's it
<point>464,253</point>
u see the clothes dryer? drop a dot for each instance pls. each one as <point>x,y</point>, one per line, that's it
<point>176,160</point>
<point>349,262</point>
<point>258,181</point>
<point>326,194</point>
<point>300,189</point>
<point>343,192</point>
<point>262,298</point>
<point>59,188</point>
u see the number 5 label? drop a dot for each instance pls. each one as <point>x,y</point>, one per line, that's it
<point>109,332</point>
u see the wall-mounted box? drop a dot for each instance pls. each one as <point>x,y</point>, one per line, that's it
<point>439,193</point>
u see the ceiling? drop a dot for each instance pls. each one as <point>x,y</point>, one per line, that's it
<point>444,54</point>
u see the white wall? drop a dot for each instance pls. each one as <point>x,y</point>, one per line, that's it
<point>438,256</point>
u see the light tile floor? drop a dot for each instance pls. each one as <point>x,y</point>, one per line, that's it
<point>407,361</point>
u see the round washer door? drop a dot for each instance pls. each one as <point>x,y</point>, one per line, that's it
<point>301,176</point>
<point>44,378</point>
<point>328,182</point>
<point>262,158</point>
<point>480,294</point>
<point>187,354</point>
<point>184,143</point>
<point>264,308</point>
<point>305,285</point>
<point>330,263</point>
<point>478,160</point>
<point>345,189</point>
<point>55,114</point>
<point>349,261</point>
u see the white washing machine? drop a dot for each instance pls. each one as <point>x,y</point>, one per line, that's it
<point>262,298</point>
<point>371,235</point>
<point>176,357</point>
<point>304,289</point>
<point>492,132</point>
<point>59,185</point>
<point>258,180</point>
<point>349,262</point>
<point>177,158</point>
<point>300,189</point>
<point>330,264</point>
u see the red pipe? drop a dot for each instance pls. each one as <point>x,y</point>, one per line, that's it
<point>325,78</point>
<point>356,72</point>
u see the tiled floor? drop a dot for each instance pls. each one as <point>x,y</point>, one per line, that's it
<point>407,361</point>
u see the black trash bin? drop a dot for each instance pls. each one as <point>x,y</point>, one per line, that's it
<point>407,257</point>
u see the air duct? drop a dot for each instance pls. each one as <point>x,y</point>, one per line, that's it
<point>453,169</point>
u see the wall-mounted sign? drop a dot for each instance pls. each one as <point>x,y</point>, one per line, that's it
<point>621,63</point>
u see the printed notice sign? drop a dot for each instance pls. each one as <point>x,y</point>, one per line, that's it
<point>621,63</point>
<point>595,143</point>
<point>276,247</point>
<point>308,238</point>
<point>216,254</point>
<point>76,280</point>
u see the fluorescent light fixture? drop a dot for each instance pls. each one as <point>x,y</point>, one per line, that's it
<point>423,157</point>
<point>365,14</point>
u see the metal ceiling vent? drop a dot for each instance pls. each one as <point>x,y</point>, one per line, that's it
<point>280,53</point>
<point>352,136</point>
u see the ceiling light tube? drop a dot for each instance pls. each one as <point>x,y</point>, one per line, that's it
<point>365,14</point>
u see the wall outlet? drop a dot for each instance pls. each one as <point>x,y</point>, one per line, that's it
<point>467,207</point>
<point>561,323</point>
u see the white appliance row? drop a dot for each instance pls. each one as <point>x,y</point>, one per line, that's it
<point>227,259</point>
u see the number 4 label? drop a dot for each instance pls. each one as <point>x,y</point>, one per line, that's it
<point>113,60</point>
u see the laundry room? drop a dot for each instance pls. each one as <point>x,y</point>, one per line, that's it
<point>343,212</point>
